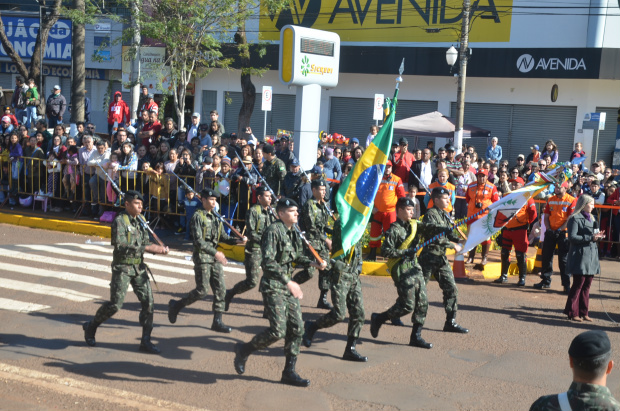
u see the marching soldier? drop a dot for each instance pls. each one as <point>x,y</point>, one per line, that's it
<point>346,291</point>
<point>281,247</point>
<point>400,241</point>
<point>433,257</point>
<point>207,231</point>
<point>314,219</point>
<point>258,218</point>
<point>130,240</point>
<point>274,171</point>
<point>515,234</point>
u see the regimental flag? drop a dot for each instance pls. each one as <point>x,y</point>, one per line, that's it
<point>500,213</point>
<point>356,196</point>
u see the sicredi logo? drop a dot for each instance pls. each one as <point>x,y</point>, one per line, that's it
<point>527,63</point>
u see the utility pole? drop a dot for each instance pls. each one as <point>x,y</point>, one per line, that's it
<point>460,94</point>
<point>135,63</point>
<point>78,55</point>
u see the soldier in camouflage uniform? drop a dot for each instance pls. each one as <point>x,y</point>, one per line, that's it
<point>274,171</point>
<point>433,257</point>
<point>207,231</point>
<point>346,291</point>
<point>314,219</point>
<point>130,240</point>
<point>282,247</point>
<point>406,273</point>
<point>590,359</point>
<point>258,218</point>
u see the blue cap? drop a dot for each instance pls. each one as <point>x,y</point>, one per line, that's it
<point>316,170</point>
<point>355,140</point>
<point>295,163</point>
<point>535,147</point>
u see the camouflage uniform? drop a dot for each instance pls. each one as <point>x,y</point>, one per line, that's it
<point>581,396</point>
<point>256,222</point>
<point>433,257</point>
<point>346,289</point>
<point>274,172</point>
<point>406,273</point>
<point>314,218</point>
<point>281,247</point>
<point>129,239</point>
<point>207,231</point>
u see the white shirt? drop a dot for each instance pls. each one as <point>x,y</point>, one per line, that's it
<point>426,173</point>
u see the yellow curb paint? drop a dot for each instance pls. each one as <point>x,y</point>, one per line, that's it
<point>492,271</point>
<point>56,225</point>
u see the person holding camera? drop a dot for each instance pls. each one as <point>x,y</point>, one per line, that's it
<point>479,196</point>
<point>559,207</point>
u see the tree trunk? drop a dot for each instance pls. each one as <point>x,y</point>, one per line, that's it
<point>47,22</point>
<point>248,90</point>
<point>79,67</point>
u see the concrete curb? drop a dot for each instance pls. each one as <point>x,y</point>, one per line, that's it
<point>56,225</point>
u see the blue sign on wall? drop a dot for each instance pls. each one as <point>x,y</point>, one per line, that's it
<point>22,33</point>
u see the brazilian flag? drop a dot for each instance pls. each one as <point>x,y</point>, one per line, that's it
<point>356,196</point>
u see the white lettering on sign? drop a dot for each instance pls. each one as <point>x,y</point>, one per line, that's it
<point>527,63</point>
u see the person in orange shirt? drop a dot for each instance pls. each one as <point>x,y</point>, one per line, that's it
<point>559,207</point>
<point>403,160</point>
<point>390,190</point>
<point>515,234</point>
<point>442,182</point>
<point>480,195</point>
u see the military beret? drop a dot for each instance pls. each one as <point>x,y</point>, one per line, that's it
<point>286,203</point>
<point>437,191</point>
<point>208,192</point>
<point>404,202</point>
<point>260,190</point>
<point>589,344</point>
<point>318,183</point>
<point>268,149</point>
<point>131,195</point>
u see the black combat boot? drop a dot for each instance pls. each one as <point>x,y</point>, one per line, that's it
<point>376,321</point>
<point>218,325</point>
<point>522,263</point>
<point>309,329</point>
<point>174,306</point>
<point>397,322</point>
<point>350,353</point>
<point>416,339</point>
<point>228,298</point>
<point>145,344</point>
<point>242,352</point>
<point>470,257</point>
<point>372,255</point>
<point>290,376</point>
<point>452,326</point>
<point>90,328</point>
<point>323,303</point>
<point>503,278</point>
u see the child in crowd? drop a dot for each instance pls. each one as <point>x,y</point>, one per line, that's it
<point>70,178</point>
<point>112,170</point>
<point>143,181</point>
<point>159,187</point>
<point>53,177</point>
<point>16,154</point>
<point>412,192</point>
<point>191,204</point>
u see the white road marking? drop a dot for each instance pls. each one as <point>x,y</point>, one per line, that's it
<point>61,275</point>
<point>66,262</point>
<point>46,290</point>
<point>20,306</point>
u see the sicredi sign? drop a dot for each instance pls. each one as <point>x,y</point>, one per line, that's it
<point>309,56</point>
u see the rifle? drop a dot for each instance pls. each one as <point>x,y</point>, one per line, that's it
<point>329,211</point>
<point>141,219</point>
<point>226,223</point>
<point>316,255</point>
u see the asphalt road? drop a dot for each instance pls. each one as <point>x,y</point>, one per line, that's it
<point>516,349</point>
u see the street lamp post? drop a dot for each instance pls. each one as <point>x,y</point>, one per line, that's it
<point>451,59</point>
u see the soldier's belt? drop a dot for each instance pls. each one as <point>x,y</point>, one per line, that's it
<point>130,261</point>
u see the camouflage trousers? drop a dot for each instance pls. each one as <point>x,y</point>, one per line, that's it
<point>284,314</point>
<point>439,266</point>
<point>412,297</point>
<point>207,274</point>
<point>253,259</point>
<point>346,295</point>
<point>307,273</point>
<point>122,276</point>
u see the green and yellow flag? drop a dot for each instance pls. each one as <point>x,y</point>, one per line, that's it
<point>356,196</point>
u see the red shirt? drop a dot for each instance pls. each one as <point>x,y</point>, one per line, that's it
<point>402,164</point>
<point>150,107</point>
<point>118,111</point>
<point>155,128</point>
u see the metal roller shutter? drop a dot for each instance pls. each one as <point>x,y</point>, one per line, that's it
<point>353,116</point>
<point>494,117</point>
<point>607,137</point>
<point>209,102</point>
<point>6,81</point>
<point>281,116</point>
<point>537,124</point>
